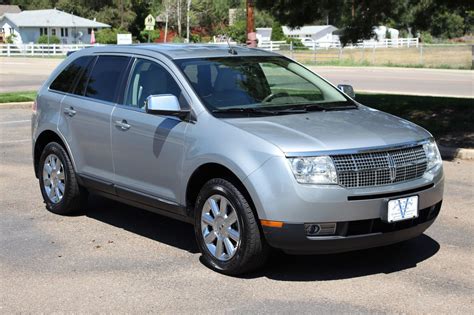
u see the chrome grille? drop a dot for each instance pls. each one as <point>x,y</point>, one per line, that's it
<point>380,168</point>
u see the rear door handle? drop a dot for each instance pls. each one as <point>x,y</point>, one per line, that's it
<point>122,124</point>
<point>70,111</point>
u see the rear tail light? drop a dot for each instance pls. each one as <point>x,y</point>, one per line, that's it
<point>34,106</point>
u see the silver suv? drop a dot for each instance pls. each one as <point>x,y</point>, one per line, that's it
<point>251,147</point>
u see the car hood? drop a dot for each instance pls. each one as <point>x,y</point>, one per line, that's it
<point>332,130</point>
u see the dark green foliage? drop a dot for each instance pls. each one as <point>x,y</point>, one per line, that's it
<point>152,35</point>
<point>356,18</point>
<point>277,32</point>
<point>107,35</point>
<point>43,39</point>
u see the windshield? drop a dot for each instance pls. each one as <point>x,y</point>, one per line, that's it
<point>265,85</point>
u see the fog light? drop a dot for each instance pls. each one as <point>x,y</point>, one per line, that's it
<point>320,229</point>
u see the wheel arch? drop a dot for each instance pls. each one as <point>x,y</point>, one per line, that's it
<point>208,171</point>
<point>45,137</point>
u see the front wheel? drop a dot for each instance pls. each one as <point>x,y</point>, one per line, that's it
<point>227,230</point>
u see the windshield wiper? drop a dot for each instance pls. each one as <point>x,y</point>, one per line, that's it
<point>257,111</point>
<point>242,110</point>
<point>329,106</point>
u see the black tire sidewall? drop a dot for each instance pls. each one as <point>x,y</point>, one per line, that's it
<point>226,189</point>
<point>63,206</point>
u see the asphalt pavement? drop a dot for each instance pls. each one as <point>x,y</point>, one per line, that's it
<point>27,74</point>
<point>118,259</point>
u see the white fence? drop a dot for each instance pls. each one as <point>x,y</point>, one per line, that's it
<point>386,43</point>
<point>39,49</point>
<point>271,45</point>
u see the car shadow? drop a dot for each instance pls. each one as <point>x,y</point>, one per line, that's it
<point>386,260</point>
<point>280,266</point>
<point>148,224</point>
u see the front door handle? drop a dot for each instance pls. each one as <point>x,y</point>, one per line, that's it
<point>70,111</point>
<point>122,124</point>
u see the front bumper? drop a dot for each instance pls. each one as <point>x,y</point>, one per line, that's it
<point>350,235</point>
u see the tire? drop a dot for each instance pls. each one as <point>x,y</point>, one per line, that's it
<point>72,198</point>
<point>251,249</point>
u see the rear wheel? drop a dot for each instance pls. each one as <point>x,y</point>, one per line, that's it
<point>61,192</point>
<point>227,230</point>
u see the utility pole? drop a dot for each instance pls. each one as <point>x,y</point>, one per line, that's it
<point>251,35</point>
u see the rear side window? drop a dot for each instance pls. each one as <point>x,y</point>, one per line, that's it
<point>106,77</point>
<point>64,82</point>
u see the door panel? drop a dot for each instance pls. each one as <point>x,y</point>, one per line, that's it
<point>85,121</point>
<point>148,150</point>
<point>88,134</point>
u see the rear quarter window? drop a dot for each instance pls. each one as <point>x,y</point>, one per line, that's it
<point>64,82</point>
<point>106,77</point>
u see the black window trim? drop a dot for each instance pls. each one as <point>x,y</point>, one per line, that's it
<point>135,58</point>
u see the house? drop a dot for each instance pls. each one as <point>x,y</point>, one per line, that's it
<point>29,25</point>
<point>321,34</point>
<point>6,8</point>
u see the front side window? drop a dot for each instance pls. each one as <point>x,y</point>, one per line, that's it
<point>255,83</point>
<point>106,77</point>
<point>64,82</point>
<point>149,78</point>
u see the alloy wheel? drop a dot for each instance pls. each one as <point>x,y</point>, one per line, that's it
<point>54,180</point>
<point>220,227</point>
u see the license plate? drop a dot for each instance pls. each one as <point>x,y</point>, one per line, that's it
<point>402,209</point>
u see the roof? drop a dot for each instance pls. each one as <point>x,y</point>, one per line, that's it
<point>6,8</point>
<point>311,29</point>
<point>50,18</point>
<point>184,51</point>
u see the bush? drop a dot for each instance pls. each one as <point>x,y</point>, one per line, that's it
<point>43,39</point>
<point>238,31</point>
<point>108,35</point>
<point>297,44</point>
<point>153,35</point>
<point>426,38</point>
<point>277,32</point>
<point>447,25</point>
<point>177,40</point>
<point>10,38</point>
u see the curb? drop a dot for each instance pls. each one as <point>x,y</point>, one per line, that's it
<point>26,105</point>
<point>447,153</point>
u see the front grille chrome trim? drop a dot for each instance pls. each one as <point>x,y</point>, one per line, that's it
<point>381,168</point>
<point>359,150</point>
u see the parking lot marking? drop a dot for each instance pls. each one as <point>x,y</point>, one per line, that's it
<point>14,122</point>
<point>15,141</point>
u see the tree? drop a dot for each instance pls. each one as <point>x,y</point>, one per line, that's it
<point>188,10</point>
<point>358,17</point>
<point>277,32</point>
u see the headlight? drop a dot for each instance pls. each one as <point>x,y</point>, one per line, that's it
<point>433,156</point>
<point>314,170</point>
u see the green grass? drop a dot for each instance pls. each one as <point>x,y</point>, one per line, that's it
<point>12,97</point>
<point>449,119</point>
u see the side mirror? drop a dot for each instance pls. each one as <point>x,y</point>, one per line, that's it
<point>348,89</point>
<point>165,104</point>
